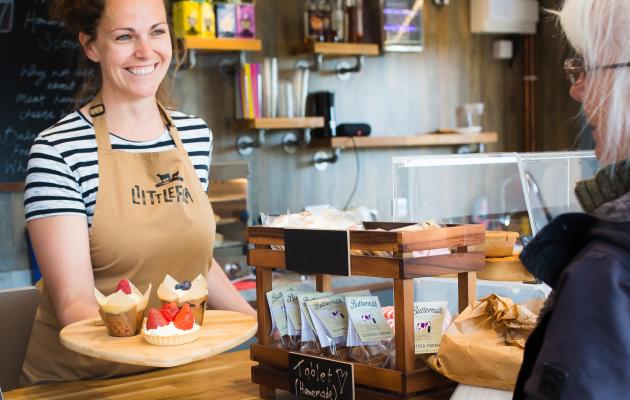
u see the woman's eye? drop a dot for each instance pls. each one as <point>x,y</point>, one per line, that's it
<point>159,32</point>
<point>123,37</point>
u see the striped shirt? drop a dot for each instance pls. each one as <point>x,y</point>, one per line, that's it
<point>62,173</point>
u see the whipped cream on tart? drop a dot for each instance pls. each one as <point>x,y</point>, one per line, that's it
<point>122,312</point>
<point>193,293</point>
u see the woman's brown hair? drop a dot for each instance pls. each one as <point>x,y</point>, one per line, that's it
<point>84,16</point>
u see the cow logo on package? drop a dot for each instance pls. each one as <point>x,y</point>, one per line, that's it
<point>424,326</point>
<point>169,189</point>
<point>368,318</point>
<point>337,315</point>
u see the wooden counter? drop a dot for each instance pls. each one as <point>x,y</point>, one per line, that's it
<point>226,376</point>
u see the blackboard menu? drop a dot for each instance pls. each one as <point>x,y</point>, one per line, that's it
<point>38,79</point>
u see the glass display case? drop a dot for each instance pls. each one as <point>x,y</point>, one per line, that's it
<point>503,191</point>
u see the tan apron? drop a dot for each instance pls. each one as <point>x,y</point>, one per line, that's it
<point>152,217</point>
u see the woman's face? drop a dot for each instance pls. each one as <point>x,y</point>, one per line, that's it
<point>133,47</point>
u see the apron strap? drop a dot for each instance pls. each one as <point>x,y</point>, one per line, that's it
<point>168,121</point>
<point>97,112</point>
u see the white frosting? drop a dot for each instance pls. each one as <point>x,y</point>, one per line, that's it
<point>170,330</point>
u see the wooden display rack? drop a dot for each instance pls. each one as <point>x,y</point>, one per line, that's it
<point>405,381</point>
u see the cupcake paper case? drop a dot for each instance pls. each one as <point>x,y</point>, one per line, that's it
<point>123,313</point>
<point>196,296</point>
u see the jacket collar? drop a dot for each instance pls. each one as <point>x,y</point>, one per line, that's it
<point>556,245</point>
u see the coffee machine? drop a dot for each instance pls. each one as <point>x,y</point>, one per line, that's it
<point>322,104</point>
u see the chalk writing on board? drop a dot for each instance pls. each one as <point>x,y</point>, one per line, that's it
<point>320,378</point>
<point>7,8</point>
<point>38,79</point>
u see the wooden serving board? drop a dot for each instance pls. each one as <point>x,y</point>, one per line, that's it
<point>221,331</point>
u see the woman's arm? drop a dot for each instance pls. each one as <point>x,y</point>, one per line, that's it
<point>222,295</point>
<point>61,245</point>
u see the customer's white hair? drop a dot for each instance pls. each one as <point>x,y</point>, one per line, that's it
<point>599,30</point>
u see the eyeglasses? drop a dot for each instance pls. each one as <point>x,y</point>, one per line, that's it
<point>575,70</point>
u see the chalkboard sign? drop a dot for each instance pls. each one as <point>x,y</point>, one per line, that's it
<point>38,79</point>
<point>320,378</point>
<point>315,251</point>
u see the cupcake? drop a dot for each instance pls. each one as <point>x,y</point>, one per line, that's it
<point>193,293</point>
<point>171,326</point>
<point>122,312</point>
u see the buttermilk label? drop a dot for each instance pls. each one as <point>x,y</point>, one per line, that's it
<point>366,320</point>
<point>427,321</point>
<point>177,193</point>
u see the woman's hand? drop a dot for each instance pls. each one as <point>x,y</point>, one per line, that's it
<point>62,249</point>
<point>222,295</point>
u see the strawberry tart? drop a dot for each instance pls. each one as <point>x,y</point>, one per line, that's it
<point>171,325</point>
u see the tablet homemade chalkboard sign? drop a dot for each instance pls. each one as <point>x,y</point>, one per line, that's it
<point>38,80</point>
<point>320,378</point>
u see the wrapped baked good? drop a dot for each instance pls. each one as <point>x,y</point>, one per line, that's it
<point>122,312</point>
<point>308,338</point>
<point>368,332</point>
<point>430,319</point>
<point>279,324</point>
<point>194,293</point>
<point>294,324</point>
<point>330,322</point>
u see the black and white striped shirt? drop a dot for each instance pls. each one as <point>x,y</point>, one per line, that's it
<point>62,174</point>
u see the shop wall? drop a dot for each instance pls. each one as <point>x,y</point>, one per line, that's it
<point>397,94</point>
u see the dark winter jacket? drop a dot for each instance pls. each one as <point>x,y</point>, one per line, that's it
<point>581,346</point>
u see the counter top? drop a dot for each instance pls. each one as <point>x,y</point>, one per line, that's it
<point>226,376</point>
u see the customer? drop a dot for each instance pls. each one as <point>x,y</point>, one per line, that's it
<point>581,346</point>
<point>87,228</point>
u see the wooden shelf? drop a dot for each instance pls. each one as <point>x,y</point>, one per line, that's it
<point>227,198</point>
<point>222,44</point>
<point>227,221</point>
<point>430,139</point>
<point>343,49</point>
<point>388,379</point>
<point>281,123</point>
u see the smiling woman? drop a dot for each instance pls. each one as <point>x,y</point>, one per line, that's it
<point>87,228</point>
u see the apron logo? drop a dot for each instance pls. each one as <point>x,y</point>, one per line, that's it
<point>167,178</point>
<point>173,194</point>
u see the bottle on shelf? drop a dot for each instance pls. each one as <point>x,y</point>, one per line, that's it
<point>354,21</point>
<point>350,21</point>
<point>325,11</point>
<point>314,23</point>
<point>360,27</point>
<point>338,21</point>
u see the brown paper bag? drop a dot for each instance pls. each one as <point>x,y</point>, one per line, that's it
<point>484,344</point>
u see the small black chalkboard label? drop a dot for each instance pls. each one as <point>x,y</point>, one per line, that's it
<point>317,251</point>
<point>320,378</point>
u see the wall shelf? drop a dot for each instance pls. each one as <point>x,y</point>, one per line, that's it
<point>222,44</point>
<point>280,123</point>
<point>430,139</point>
<point>343,49</point>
